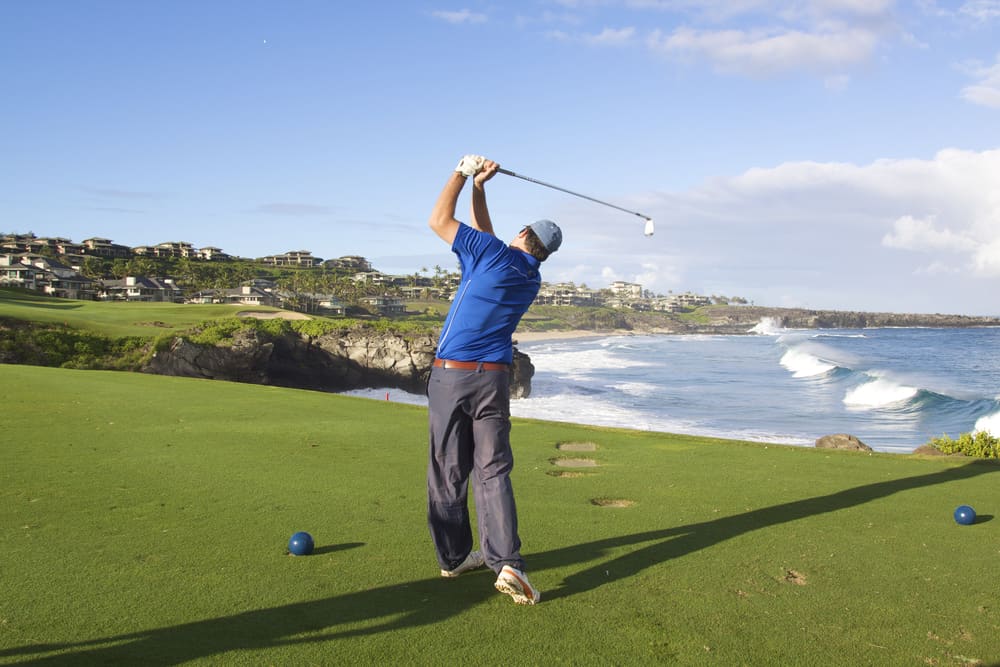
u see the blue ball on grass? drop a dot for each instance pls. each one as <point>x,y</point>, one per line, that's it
<point>301,544</point>
<point>965,515</point>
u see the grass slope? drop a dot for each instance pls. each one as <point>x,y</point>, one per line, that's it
<point>143,520</point>
<point>114,319</point>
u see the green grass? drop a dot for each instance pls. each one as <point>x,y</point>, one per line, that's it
<point>143,521</point>
<point>114,319</point>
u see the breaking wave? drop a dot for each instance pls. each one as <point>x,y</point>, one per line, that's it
<point>802,364</point>
<point>989,423</point>
<point>864,387</point>
<point>878,393</point>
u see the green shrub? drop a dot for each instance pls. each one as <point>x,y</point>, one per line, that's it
<point>273,328</point>
<point>981,445</point>
<point>39,344</point>
<point>221,332</point>
<point>316,327</point>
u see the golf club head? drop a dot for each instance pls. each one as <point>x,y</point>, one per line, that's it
<point>648,231</point>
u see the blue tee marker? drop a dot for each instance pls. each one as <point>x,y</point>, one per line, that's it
<point>301,544</point>
<point>965,515</point>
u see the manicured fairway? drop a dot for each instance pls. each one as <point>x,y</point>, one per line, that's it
<point>144,519</point>
<point>111,318</point>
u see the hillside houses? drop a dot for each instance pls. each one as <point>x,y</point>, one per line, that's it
<point>140,288</point>
<point>53,266</point>
<point>180,249</point>
<point>300,258</point>
<point>620,294</point>
<point>105,249</point>
<point>567,294</point>
<point>45,275</point>
<point>247,295</point>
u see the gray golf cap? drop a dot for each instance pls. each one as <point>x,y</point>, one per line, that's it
<point>548,233</point>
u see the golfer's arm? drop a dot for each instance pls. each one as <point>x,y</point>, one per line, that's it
<point>481,214</point>
<point>442,219</point>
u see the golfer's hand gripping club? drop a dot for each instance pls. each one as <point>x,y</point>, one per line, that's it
<point>470,165</point>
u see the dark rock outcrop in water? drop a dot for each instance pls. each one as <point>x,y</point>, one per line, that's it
<point>333,362</point>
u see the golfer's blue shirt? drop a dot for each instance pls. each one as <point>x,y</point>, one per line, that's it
<point>498,284</point>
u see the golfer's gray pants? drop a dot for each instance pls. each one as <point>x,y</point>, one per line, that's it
<point>469,414</point>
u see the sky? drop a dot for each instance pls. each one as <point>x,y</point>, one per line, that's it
<point>835,154</point>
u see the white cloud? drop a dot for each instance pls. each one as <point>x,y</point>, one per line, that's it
<point>763,52</point>
<point>754,37</point>
<point>978,11</point>
<point>610,275</point>
<point>723,10</point>
<point>938,268</point>
<point>949,205</point>
<point>981,10</point>
<point>611,37</point>
<point>917,235</point>
<point>460,16</point>
<point>986,90</point>
<point>986,258</point>
<point>910,233</point>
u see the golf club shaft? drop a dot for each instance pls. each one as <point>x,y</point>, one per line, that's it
<point>570,192</point>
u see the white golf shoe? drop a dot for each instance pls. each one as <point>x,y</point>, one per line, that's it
<point>515,583</point>
<point>473,561</point>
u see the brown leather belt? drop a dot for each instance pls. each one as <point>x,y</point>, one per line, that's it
<point>471,365</point>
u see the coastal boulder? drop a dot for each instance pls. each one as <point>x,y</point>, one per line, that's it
<point>842,441</point>
<point>520,375</point>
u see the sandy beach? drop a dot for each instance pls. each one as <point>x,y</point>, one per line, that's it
<point>534,336</point>
<point>566,334</point>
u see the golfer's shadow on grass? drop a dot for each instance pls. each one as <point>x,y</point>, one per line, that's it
<point>432,600</point>
<point>675,542</point>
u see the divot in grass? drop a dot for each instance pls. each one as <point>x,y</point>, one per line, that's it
<point>565,474</point>
<point>577,446</point>
<point>794,577</point>
<point>574,463</point>
<point>612,502</point>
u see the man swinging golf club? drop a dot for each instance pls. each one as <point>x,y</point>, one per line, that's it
<point>469,391</point>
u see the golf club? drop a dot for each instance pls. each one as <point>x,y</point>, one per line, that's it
<point>648,231</point>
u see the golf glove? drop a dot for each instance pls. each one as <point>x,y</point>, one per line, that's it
<point>470,165</point>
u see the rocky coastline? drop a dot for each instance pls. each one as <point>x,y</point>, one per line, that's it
<point>737,320</point>
<point>376,357</point>
<point>801,318</point>
<point>332,362</point>
<point>339,362</point>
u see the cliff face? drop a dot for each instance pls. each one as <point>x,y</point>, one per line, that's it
<point>327,363</point>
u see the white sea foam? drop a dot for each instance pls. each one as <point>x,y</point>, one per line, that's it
<point>829,335</point>
<point>802,364</point>
<point>730,386</point>
<point>768,326</point>
<point>637,388</point>
<point>396,395</point>
<point>989,423</point>
<point>879,393</point>
<point>578,363</point>
<point>595,411</point>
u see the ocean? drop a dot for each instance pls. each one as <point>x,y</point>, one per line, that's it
<point>893,388</point>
